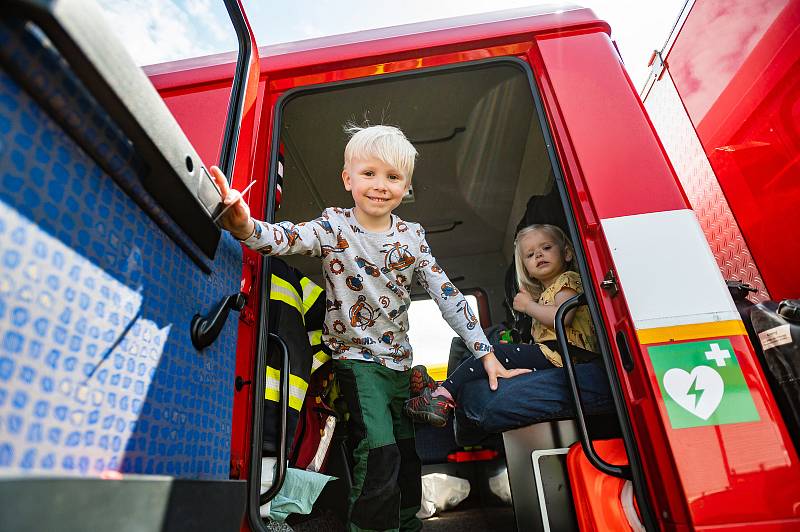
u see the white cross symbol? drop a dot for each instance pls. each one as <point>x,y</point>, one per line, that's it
<point>718,355</point>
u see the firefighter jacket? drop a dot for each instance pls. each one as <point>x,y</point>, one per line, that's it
<point>296,313</point>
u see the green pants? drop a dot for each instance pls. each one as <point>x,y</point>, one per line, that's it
<point>386,470</point>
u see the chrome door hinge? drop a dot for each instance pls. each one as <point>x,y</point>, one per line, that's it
<point>609,282</point>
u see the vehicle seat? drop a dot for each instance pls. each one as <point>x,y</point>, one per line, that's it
<point>545,209</point>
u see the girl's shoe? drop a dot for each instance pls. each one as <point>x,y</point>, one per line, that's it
<point>420,380</point>
<point>427,408</point>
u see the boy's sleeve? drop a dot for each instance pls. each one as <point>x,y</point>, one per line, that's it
<point>287,238</point>
<point>454,307</point>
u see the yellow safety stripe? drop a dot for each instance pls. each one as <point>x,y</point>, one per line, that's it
<point>311,292</point>
<point>283,291</point>
<point>315,337</point>
<point>320,357</point>
<point>297,388</point>
<point>692,331</point>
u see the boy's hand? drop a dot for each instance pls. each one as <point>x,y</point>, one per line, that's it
<point>495,370</point>
<point>522,301</point>
<point>237,218</point>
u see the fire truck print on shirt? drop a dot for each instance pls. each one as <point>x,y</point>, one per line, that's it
<point>368,296</point>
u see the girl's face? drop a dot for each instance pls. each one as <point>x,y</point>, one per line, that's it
<point>542,257</point>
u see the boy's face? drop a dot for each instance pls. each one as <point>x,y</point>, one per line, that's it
<point>377,189</point>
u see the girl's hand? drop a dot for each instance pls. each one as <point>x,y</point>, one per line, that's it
<point>236,219</point>
<point>495,370</point>
<point>522,302</point>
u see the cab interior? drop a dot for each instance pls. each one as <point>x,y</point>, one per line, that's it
<point>483,170</point>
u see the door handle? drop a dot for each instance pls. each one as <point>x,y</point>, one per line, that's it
<point>205,329</point>
<point>619,471</point>
<point>280,467</point>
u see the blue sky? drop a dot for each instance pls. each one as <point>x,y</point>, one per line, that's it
<point>156,31</point>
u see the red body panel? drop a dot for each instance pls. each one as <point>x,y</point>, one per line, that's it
<point>741,88</point>
<point>628,153</point>
<point>567,108</point>
<point>202,117</point>
<point>613,165</point>
<point>723,468</point>
<point>611,136</point>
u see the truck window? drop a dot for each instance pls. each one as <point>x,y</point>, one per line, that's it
<point>431,336</point>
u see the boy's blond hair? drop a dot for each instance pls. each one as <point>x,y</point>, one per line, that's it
<point>527,283</point>
<point>386,143</point>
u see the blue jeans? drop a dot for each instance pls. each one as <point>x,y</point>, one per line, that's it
<point>526,399</point>
<point>512,356</point>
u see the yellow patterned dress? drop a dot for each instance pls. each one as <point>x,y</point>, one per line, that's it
<point>580,332</point>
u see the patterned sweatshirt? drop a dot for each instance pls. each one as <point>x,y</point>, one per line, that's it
<point>368,283</point>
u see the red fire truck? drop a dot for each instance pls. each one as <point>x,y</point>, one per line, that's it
<point>131,392</point>
<point>725,108</point>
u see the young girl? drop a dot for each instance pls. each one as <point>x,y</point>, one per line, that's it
<point>544,260</point>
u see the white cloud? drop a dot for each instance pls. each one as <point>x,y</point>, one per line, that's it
<point>155,31</point>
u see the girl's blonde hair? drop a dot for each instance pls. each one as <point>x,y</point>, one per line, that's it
<point>560,239</point>
<point>386,143</point>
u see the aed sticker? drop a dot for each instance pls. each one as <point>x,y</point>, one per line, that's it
<point>702,384</point>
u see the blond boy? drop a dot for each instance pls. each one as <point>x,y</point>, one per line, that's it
<point>369,259</point>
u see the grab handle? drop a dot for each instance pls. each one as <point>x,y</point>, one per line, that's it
<point>280,467</point>
<point>205,329</point>
<point>623,471</point>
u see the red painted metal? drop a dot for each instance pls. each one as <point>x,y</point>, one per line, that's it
<point>610,133</point>
<point>613,166</point>
<point>726,471</point>
<point>192,109</point>
<point>741,89</point>
<point>241,431</point>
<point>201,115</point>
<point>622,172</point>
<point>470,33</point>
<point>558,94</point>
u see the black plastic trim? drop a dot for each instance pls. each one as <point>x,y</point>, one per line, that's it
<point>137,503</point>
<point>233,121</point>
<point>259,380</point>
<point>104,67</point>
<point>624,351</point>
<point>205,329</point>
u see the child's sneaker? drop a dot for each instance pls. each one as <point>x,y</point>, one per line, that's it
<point>427,408</point>
<point>420,380</point>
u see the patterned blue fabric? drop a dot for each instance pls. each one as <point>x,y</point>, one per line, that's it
<point>97,370</point>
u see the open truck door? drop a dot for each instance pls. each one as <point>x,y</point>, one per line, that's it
<point>119,294</point>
